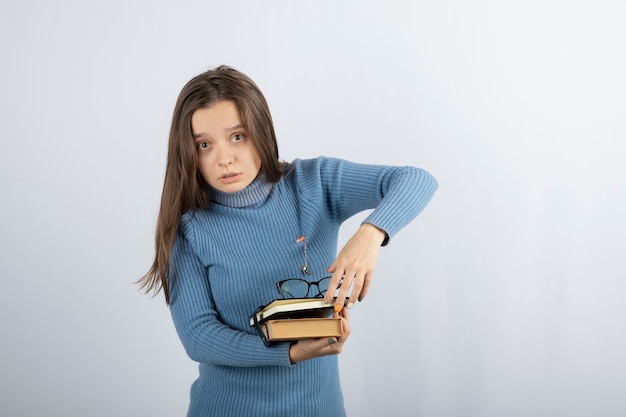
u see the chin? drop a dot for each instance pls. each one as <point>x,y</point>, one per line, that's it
<point>230,188</point>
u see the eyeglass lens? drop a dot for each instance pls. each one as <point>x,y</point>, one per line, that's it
<point>300,288</point>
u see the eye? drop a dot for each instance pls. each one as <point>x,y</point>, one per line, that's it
<point>237,137</point>
<point>203,146</point>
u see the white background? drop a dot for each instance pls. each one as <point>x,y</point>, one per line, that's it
<point>506,297</point>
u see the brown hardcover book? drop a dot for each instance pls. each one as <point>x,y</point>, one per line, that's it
<point>295,319</point>
<point>306,328</point>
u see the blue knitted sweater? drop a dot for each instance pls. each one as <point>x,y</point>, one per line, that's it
<point>227,258</point>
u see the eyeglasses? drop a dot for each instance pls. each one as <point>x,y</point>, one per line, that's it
<point>301,288</point>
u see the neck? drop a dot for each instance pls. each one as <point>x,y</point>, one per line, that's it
<point>253,194</point>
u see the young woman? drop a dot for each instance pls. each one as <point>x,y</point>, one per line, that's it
<point>234,220</point>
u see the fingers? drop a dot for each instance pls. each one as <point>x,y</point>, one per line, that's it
<point>365,288</point>
<point>326,346</point>
<point>357,288</point>
<point>334,283</point>
<point>352,289</point>
<point>354,265</point>
<point>313,348</point>
<point>335,345</point>
<point>346,324</point>
<point>348,282</point>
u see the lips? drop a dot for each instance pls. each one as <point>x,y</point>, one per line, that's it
<point>229,178</point>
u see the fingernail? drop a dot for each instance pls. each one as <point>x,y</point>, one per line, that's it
<point>332,341</point>
<point>338,308</point>
<point>350,305</point>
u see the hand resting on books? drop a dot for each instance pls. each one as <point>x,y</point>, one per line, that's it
<point>314,348</point>
<point>356,260</point>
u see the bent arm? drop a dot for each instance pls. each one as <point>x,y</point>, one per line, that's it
<point>397,195</point>
<point>204,337</point>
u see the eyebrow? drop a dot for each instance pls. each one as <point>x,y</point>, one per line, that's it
<point>235,127</point>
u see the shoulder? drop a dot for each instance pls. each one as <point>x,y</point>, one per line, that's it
<point>193,223</point>
<point>308,174</point>
<point>313,166</point>
<point>307,177</point>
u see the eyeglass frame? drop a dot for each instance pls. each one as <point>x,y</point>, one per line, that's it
<point>320,293</point>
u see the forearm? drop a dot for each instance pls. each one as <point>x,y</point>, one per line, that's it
<point>204,335</point>
<point>406,193</point>
<point>207,340</point>
<point>397,194</point>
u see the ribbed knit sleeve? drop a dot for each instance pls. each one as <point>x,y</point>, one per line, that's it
<point>205,338</point>
<point>397,194</point>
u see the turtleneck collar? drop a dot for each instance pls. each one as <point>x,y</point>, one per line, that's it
<point>253,194</point>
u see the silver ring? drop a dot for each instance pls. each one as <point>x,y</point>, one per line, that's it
<point>331,342</point>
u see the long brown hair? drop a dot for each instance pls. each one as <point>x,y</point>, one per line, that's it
<point>184,188</point>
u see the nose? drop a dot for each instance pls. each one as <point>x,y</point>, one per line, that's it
<point>225,161</point>
<point>224,156</point>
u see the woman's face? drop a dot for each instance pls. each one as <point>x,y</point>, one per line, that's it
<point>227,158</point>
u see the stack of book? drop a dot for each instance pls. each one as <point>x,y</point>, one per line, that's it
<point>296,319</point>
